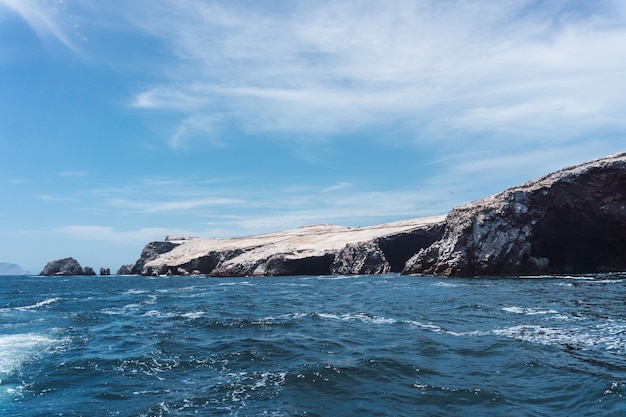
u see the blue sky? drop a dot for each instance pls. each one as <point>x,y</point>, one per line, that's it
<point>124,121</point>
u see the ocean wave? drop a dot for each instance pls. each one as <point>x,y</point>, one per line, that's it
<point>611,337</point>
<point>528,311</point>
<point>17,349</point>
<point>130,308</point>
<point>37,305</point>
<point>237,283</point>
<point>448,284</point>
<point>363,317</point>
<point>427,326</point>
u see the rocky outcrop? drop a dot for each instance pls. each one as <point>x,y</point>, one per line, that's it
<point>570,221</point>
<point>62,267</point>
<point>363,258</point>
<point>311,250</point>
<point>150,252</point>
<point>88,271</point>
<point>125,269</point>
<point>105,271</point>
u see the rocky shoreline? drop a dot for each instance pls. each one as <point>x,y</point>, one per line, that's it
<point>570,221</point>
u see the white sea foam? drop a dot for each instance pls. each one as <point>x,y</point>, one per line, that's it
<point>610,337</point>
<point>447,284</point>
<point>366,318</point>
<point>337,277</point>
<point>528,311</point>
<point>16,349</point>
<point>39,304</point>
<point>236,283</point>
<point>426,326</point>
<point>133,292</point>
<point>130,308</point>
<point>194,315</point>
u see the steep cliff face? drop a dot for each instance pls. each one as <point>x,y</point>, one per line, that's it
<point>150,252</point>
<point>312,250</point>
<point>570,221</point>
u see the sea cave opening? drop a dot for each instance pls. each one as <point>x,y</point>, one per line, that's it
<point>577,243</point>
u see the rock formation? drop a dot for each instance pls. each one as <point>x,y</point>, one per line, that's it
<point>88,271</point>
<point>570,221</point>
<point>125,270</point>
<point>312,250</point>
<point>105,271</point>
<point>150,252</point>
<point>62,267</point>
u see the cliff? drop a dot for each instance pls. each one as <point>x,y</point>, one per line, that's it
<point>311,250</point>
<point>570,221</point>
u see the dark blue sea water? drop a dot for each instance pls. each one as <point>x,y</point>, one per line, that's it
<point>313,346</point>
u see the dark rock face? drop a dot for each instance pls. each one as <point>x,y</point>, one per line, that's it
<point>125,270</point>
<point>398,249</point>
<point>150,252</point>
<point>88,271</point>
<point>385,254</point>
<point>283,265</point>
<point>365,258</point>
<point>105,271</point>
<point>571,221</point>
<point>62,267</point>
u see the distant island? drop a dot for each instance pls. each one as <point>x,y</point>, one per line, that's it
<point>572,221</point>
<point>11,269</point>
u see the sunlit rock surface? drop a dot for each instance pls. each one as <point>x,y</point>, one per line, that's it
<point>311,250</point>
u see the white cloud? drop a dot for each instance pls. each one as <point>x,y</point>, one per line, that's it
<point>47,18</point>
<point>174,204</point>
<point>325,68</point>
<point>55,198</point>
<point>339,186</point>
<point>109,234</point>
<point>335,67</point>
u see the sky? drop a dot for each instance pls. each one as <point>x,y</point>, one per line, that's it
<point>123,121</point>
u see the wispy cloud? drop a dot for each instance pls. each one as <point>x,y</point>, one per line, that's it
<point>530,69</point>
<point>174,205</point>
<point>109,234</point>
<point>48,18</point>
<point>54,198</point>
<point>339,186</point>
<point>329,67</point>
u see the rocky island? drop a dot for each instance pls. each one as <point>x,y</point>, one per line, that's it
<point>311,250</point>
<point>570,221</point>
<point>66,267</point>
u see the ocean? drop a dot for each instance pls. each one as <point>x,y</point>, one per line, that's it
<point>382,345</point>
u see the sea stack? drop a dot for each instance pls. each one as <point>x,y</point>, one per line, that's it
<point>62,267</point>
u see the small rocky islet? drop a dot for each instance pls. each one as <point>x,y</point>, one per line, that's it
<point>572,221</point>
